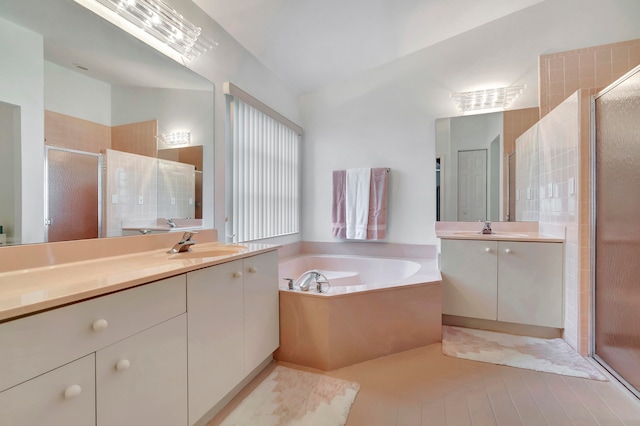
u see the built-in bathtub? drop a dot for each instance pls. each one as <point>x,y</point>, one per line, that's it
<point>374,307</point>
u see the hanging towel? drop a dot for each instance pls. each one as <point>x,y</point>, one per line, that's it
<point>377,223</point>
<point>338,212</point>
<point>357,203</point>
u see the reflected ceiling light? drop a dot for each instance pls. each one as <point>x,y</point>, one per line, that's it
<point>176,138</point>
<point>489,99</point>
<point>156,23</point>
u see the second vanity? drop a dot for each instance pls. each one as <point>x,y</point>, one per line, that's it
<point>145,338</point>
<point>507,276</point>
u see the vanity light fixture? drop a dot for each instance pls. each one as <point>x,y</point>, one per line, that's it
<point>489,99</point>
<point>176,138</point>
<point>155,23</point>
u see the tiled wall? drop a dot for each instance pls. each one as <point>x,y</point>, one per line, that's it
<point>561,74</point>
<point>550,150</point>
<point>176,190</point>
<point>73,133</point>
<point>128,177</point>
<point>136,138</point>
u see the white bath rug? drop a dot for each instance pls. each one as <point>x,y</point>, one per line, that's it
<point>294,397</point>
<point>546,355</point>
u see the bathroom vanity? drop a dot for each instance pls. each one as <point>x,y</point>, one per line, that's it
<point>163,340</point>
<point>512,277</point>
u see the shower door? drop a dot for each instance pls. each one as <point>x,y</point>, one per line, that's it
<point>617,230</point>
<point>73,194</point>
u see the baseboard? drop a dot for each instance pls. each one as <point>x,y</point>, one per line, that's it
<point>503,327</point>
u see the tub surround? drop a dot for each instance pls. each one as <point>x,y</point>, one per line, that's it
<point>44,276</point>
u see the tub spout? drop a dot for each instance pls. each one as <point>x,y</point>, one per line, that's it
<point>303,282</point>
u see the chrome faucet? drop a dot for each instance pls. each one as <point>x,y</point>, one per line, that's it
<point>487,228</point>
<point>303,282</point>
<point>184,244</point>
<point>171,223</point>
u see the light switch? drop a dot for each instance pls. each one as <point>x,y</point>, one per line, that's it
<point>572,186</point>
<point>190,201</point>
<point>173,201</point>
<point>549,190</point>
<point>114,198</point>
<point>140,199</point>
<point>528,193</point>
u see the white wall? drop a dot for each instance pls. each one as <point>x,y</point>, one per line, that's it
<point>22,85</point>
<point>72,93</point>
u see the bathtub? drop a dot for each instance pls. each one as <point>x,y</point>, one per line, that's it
<point>353,274</point>
<point>374,307</point>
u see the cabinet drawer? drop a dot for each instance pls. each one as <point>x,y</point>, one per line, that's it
<point>39,343</point>
<point>64,396</point>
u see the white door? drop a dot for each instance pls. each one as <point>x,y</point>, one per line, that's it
<point>472,185</point>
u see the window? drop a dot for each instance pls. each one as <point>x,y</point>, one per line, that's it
<point>263,171</point>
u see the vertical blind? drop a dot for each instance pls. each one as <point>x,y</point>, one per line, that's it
<point>265,175</point>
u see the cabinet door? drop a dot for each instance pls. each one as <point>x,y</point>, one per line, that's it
<point>530,283</point>
<point>216,334</point>
<point>142,380</point>
<point>469,278</point>
<point>261,309</point>
<point>62,397</point>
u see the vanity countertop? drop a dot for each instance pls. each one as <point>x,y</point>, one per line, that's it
<point>497,236</point>
<point>29,290</point>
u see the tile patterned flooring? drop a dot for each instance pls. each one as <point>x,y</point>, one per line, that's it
<point>423,387</point>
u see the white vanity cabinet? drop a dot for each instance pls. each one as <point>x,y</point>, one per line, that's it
<point>38,356</point>
<point>143,379</point>
<point>233,326</point>
<point>511,281</point>
<point>62,397</point>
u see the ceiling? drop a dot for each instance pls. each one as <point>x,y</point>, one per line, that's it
<point>309,44</point>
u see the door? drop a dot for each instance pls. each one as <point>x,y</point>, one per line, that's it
<point>73,194</point>
<point>617,230</point>
<point>472,185</point>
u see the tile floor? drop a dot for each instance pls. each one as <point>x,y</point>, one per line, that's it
<point>423,387</point>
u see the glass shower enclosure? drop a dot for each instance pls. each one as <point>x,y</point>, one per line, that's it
<point>617,229</point>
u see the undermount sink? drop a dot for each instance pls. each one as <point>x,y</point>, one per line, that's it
<point>200,254</point>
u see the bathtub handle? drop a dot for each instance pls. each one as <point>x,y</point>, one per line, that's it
<point>290,283</point>
<point>319,286</point>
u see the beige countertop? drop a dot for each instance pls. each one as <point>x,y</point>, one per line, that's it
<point>29,290</point>
<point>497,236</point>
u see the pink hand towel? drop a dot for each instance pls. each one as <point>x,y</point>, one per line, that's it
<point>338,211</point>
<point>377,226</point>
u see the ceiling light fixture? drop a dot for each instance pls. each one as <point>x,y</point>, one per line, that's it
<point>489,99</point>
<point>156,23</point>
<point>176,138</point>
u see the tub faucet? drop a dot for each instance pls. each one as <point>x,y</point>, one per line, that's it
<point>184,244</point>
<point>303,282</point>
<point>171,223</point>
<point>487,228</point>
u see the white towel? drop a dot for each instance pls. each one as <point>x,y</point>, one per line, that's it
<point>357,203</point>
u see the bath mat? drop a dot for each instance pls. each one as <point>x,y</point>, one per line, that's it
<point>546,355</point>
<point>294,397</point>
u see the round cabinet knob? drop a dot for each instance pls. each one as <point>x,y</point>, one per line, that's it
<point>488,249</point>
<point>237,275</point>
<point>72,391</point>
<point>252,269</point>
<point>122,365</point>
<point>507,251</point>
<point>99,325</point>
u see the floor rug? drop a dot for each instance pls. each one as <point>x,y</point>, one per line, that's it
<point>546,355</point>
<point>294,397</point>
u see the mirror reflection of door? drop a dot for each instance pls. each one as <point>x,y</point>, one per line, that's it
<point>73,194</point>
<point>472,185</point>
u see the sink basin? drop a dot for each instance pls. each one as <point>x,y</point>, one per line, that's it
<point>200,254</point>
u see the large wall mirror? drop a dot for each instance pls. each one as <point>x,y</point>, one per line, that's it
<point>475,174</point>
<point>78,93</point>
